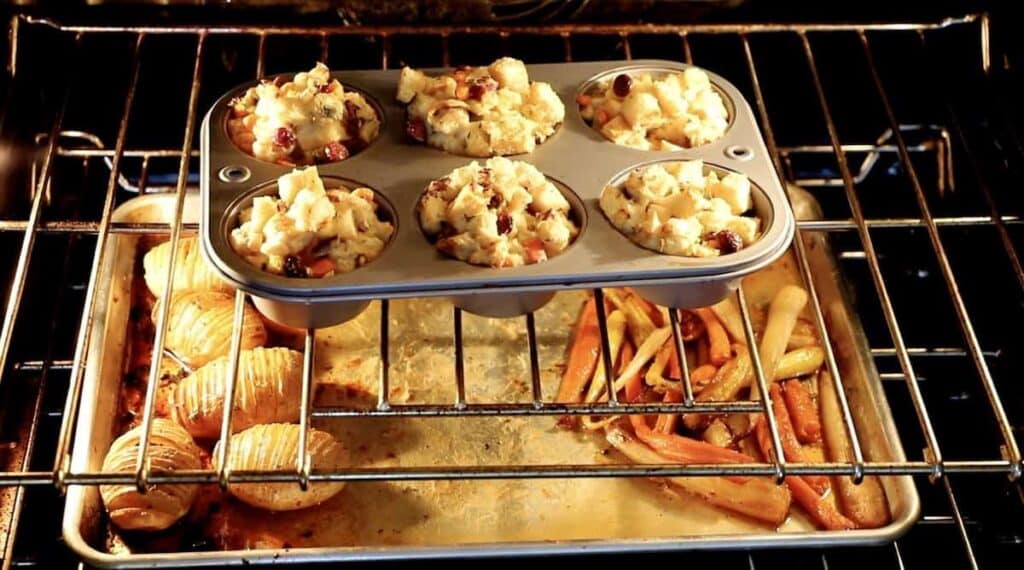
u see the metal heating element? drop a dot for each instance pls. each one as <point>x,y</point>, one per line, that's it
<point>894,208</point>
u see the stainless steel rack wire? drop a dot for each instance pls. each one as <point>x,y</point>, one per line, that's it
<point>933,461</point>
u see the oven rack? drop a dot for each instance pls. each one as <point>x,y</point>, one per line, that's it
<point>1003,458</point>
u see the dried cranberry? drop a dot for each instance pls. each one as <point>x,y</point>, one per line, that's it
<point>504,223</point>
<point>416,129</point>
<point>353,124</point>
<point>284,137</point>
<point>622,85</point>
<point>438,186</point>
<point>494,202</point>
<point>293,267</point>
<point>481,86</point>
<point>326,87</point>
<point>335,152</point>
<point>484,177</point>
<point>726,241</point>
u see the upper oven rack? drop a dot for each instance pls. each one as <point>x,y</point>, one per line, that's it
<point>933,462</point>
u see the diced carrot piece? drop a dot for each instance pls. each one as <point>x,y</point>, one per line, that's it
<point>322,266</point>
<point>586,348</point>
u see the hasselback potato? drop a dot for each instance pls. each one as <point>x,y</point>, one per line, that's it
<point>170,449</point>
<point>269,390</point>
<point>193,271</point>
<point>275,447</point>
<point>199,326</point>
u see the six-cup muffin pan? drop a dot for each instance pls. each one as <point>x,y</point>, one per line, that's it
<point>576,158</point>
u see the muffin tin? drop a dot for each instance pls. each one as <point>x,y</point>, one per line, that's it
<point>577,158</point>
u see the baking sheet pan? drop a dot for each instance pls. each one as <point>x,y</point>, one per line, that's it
<point>397,520</point>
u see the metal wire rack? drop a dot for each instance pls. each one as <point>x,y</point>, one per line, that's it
<point>136,165</point>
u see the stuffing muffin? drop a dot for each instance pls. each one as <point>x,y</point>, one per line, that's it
<point>504,213</point>
<point>308,120</point>
<point>480,111</point>
<point>669,111</point>
<point>309,231</point>
<point>682,208</point>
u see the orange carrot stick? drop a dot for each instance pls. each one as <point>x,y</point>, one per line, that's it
<point>702,375</point>
<point>684,449</point>
<point>667,422</point>
<point>823,512</point>
<point>719,351</point>
<point>586,347</point>
<point>802,411</point>
<point>790,446</point>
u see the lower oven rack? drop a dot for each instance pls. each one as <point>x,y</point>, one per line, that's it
<point>141,167</point>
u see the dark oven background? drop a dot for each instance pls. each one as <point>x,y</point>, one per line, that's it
<point>962,128</point>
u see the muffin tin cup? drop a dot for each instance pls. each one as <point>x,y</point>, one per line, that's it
<point>577,157</point>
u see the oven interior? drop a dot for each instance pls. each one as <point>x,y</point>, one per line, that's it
<point>937,196</point>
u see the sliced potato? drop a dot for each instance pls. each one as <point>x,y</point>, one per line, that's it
<point>193,271</point>
<point>170,449</point>
<point>276,447</point>
<point>269,390</point>
<point>199,326</point>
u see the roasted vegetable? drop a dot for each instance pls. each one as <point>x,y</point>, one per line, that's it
<point>275,447</point>
<point>269,390</point>
<point>193,272</point>
<point>170,449</point>
<point>199,326</point>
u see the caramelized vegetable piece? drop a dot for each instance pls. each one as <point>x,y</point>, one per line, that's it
<point>275,447</point>
<point>199,326</point>
<point>756,498</point>
<point>782,316</point>
<point>269,390</point>
<point>720,350</point>
<point>667,422</point>
<point>702,375</point>
<point>790,446</point>
<point>822,511</point>
<point>864,503</point>
<point>170,449</point>
<point>583,355</point>
<point>800,362</point>
<point>193,272</point>
<point>802,411</point>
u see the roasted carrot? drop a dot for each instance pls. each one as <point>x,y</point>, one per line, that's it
<point>702,375</point>
<point>719,349</point>
<point>823,512</point>
<point>802,411</point>
<point>790,446</point>
<point>586,347</point>
<point>756,498</point>
<point>684,449</point>
<point>667,422</point>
